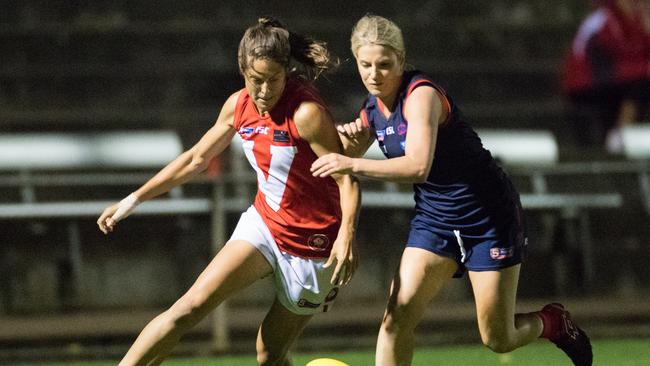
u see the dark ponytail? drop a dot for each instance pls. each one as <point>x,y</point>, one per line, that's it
<point>270,39</point>
<point>269,21</point>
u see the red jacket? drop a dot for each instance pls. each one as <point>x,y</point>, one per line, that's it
<point>608,49</point>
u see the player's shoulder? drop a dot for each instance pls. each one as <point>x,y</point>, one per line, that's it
<point>309,116</point>
<point>314,123</point>
<point>308,110</point>
<point>418,83</point>
<point>416,78</point>
<point>229,110</point>
<point>231,102</point>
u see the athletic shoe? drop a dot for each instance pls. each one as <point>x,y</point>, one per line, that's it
<point>560,329</point>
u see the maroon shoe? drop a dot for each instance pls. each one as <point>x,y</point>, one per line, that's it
<point>560,329</point>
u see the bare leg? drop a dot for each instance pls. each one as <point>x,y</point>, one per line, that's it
<point>501,329</point>
<point>420,277</point>
<point>236,266</point>
<point>277,333</point>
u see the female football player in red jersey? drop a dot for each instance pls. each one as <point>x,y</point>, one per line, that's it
<point>300,228</point>
<point>467,212</point>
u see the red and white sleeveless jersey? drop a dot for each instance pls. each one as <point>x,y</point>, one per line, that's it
<point>302,212</point>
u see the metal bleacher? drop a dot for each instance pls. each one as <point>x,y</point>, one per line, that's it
<point>54,177</point>
<point>40,161</point>
<point>31,160</point>
<point>45,160</point>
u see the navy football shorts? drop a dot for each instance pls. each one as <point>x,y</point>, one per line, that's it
<point>485,249</point>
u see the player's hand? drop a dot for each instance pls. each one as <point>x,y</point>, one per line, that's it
<point>119,211</point>
<point>105,221</point>
<point>352,130</point>
<point>346,262</point>
<point>331,163</point>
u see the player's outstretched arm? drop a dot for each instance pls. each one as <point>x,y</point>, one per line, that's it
<point>186,166</point>
<point>424,112</point>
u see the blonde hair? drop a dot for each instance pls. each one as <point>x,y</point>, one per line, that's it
<point>299,54</point>
<point>374,29</point>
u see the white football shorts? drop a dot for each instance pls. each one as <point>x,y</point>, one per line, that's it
<point>302,285</point>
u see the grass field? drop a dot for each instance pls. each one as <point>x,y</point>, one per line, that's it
<point>606,352</point>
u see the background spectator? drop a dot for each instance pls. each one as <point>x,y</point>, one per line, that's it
<point>606,75</point>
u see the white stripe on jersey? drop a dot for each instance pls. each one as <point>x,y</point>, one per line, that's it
<point>281,159</point>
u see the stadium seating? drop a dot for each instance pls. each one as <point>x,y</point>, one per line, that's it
<point>636,141</point>
<point>59,177</point>
<point>521,147</point>
<point>108,150</point>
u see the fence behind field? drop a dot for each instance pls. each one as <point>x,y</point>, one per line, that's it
<point>81,161</point>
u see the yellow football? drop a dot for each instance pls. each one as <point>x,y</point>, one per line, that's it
<point>326,362</point>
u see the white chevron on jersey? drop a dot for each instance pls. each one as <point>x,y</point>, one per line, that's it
<point>273,187</point>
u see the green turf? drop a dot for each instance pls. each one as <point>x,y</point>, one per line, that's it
<point>606,352</point>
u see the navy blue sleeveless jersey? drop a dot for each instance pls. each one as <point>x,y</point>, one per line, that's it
<point>467,209</point>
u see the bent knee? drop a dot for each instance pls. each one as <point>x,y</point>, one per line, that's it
<point>266,357</point>
<point>498,342</point>
<point>400,318</point>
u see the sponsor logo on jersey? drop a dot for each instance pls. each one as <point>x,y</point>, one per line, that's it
<point>402,144</point>
<point>280,136</point>
<point>390,130</point>
<point>501,253</point>
<point>246,130</point>
<point>401,128</point>
<point>380,135</point>
<point>304,303</point>
<point>262,129</point>
<point>318,242</point>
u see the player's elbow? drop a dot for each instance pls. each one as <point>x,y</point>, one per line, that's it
<point>197,163</point>
<point>345,179</point>
<point>419,178</point>
<point>417,168</point>
<point>420,174</point>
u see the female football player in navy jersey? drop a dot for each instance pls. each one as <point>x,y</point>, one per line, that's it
<point>300,227</point>
<point>467,213</point>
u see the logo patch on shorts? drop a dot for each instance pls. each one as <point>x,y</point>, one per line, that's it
<point>304,303</point>
<point>502,253</point>
<point>318,242</point>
